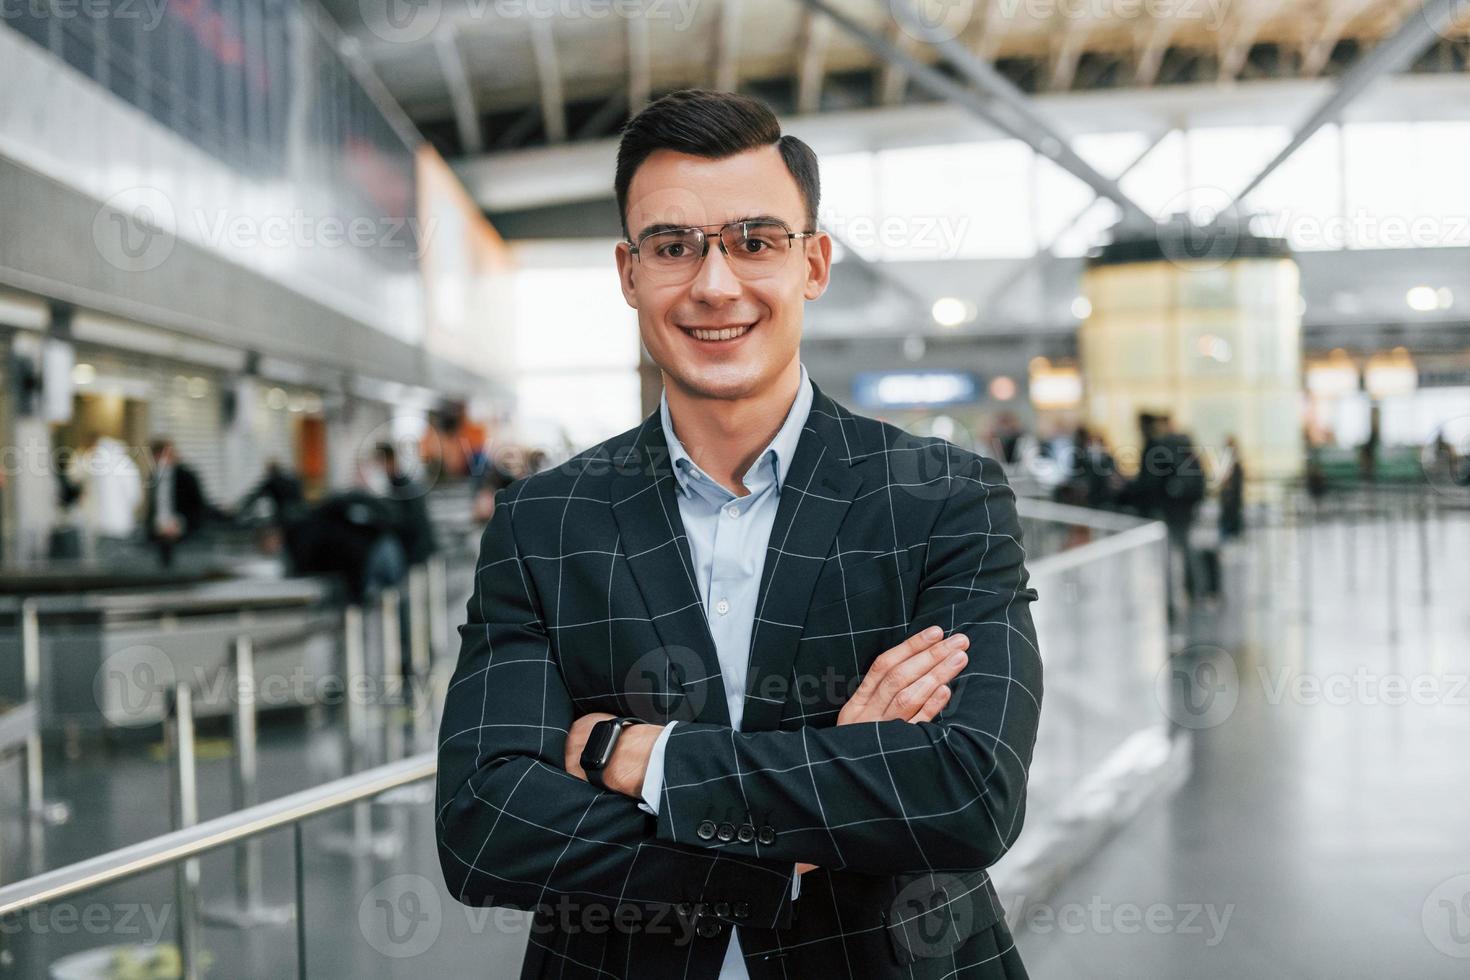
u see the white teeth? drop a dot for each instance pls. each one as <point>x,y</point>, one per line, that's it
<point>728,333</point>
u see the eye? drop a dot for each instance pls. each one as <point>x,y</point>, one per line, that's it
<point>667,251</point>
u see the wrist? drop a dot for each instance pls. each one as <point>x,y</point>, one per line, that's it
<point>629,762</point>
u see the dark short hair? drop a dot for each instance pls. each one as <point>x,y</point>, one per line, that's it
<point>711,124</point>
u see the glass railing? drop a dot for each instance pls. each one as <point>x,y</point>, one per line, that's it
<point>344,877</point>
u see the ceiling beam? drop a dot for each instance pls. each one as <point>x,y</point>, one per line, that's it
<point>603,119</point>
<point>997,100</point>
<point>1067,45</point>
<point>461,96</point>
<point>893,81</point>
<point>1237,38</point>
<point>1417,32</point>
<point>1151,51</point>
<point>548,78</point>
<point>1319,44</point>
<point>640,70</point>
<point>727,48</point>
<point>811,61</point>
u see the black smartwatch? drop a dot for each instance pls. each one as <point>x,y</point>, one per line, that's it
<point>598,751</point>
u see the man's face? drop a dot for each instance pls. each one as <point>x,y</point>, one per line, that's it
<point>680,189</point>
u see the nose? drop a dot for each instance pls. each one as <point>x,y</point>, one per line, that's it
<point>715,282</point>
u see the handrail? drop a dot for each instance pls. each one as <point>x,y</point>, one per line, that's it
<point>1092,551</point>
<point>170,848</point>
<point>1100,520</point>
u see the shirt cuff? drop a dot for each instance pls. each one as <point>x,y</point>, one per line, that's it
<point>653,776</point>
<point>796,885</point>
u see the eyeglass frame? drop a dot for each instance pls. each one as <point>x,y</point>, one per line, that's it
<point>636,247</point>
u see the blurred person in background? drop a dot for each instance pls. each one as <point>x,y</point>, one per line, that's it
<point>1169,486</point>
<point>1232,492</point>
<point>407,495</point>
<point>105,486</point>
<point>281,487</point>
<point>283,490</point>
<point>177,507</point>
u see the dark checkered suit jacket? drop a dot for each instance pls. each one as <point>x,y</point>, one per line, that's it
<point>585,600</point>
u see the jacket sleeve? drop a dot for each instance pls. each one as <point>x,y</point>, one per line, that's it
<point>892,797</point>
<point>514,828</point>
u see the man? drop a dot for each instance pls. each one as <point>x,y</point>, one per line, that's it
<point>1170,486</point>
<point>782,593</point>
<point>415,529</point>
<point>177,507</point>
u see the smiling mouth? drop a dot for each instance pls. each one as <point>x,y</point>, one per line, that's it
<point>723,333</point>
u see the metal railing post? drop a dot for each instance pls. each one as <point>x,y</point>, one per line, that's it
<point>249,908</point>
<point>180,724</point>
<point>390,687</point>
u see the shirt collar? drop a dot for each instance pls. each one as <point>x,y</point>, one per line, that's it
<point>782,448</point>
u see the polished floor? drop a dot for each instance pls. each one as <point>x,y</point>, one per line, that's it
<point>1324,830</point>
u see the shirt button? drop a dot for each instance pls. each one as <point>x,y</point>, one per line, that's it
<point>722,607</point>
<point>732,511</point>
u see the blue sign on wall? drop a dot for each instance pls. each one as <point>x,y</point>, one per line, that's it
<point>914,389</point>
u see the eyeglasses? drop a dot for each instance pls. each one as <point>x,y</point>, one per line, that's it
<point>754,248</point>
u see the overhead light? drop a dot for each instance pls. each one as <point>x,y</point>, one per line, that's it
<point>1391,374</point>
<point>1082,307</point>
<point>1422,298</point>
<point>1332,378</point>
<point>949,311</point>
<point>83,374</point>
<point>1213,347</point>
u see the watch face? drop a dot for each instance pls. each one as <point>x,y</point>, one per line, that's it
<point>598,742</point>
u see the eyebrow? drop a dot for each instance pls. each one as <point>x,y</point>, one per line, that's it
<point>654,229</point>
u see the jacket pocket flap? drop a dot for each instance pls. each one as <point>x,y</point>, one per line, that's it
<point>933,914</point>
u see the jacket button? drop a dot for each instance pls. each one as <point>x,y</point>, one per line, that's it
<point>726,832</point>
<point>722,909</point>
<point>746,833</point>
<point>706,830</point>
<point>768,834</point>
<point>708,928</point>
<point>742,910</point>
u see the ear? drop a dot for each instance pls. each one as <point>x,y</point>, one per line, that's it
<point>818,264</point>
<point>623,256</point>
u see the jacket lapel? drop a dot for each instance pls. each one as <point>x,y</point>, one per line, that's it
<point>818,489</point>
<point>646,507</point>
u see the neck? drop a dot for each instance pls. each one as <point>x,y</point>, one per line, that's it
<point>724,436</point>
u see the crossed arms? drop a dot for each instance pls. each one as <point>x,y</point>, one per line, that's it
<point>880,797</point>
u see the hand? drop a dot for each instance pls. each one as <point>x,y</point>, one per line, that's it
<point>910,681</point>
<point>624,773</point>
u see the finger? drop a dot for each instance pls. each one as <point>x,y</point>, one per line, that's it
<point>933,706</point>
<point>914,696</point>
<point>915,667</point>
<point>891,658</point>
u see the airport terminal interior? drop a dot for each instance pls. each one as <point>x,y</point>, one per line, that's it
<point>294,294</point>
